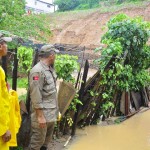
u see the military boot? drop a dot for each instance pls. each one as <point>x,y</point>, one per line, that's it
<point>43,148</point>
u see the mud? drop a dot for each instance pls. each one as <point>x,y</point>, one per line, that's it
<point>86,29</point>
<point>133,134</point>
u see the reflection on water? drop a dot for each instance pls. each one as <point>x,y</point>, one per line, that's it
<point>133,134</point>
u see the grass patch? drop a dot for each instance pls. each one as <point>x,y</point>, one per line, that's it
<point>21,82</point>
<point>108,7</point>
<point>117,7</point>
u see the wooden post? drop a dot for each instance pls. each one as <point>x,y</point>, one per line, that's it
<point>126,103</point>
<point>86,67</point>
<point>145,96</point>
<point>15,69</point>
<point>76,85</point>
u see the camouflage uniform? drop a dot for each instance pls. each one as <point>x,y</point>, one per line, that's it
<point>43,96</point>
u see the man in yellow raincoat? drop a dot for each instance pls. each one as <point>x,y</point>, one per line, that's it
<point>5,134</point>
<point>9,108</point>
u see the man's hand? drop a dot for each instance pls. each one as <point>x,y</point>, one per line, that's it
<point>42,121</point>
<point>41,118</point>
<point>59,116</point>
<point>7,136</point>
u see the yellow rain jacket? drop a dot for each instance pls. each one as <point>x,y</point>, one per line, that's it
<point>4,110</point>
<point>10,118</point>
<point>15,117</point>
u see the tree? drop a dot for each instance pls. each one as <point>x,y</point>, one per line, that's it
<point>91,3</point>
<point>65,65</point>
<point>126,41</point>
<point>65,5</point>
<point>14,20</point>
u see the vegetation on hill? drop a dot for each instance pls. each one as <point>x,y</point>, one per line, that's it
<point>65,5</point>
<point>14,19</point>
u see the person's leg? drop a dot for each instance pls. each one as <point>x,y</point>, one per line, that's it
<point>38,136</point>
<point>50,129</point>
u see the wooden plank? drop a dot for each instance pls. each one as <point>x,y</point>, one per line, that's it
<point>115,103</point>
<point>81,92</point>
<point>77,82</point>
<point>136,99</point>
<point>66,94</point>
<point>127,99</point>
<point>122,103</point>
<point>148,92</point>
<point>146,98</point>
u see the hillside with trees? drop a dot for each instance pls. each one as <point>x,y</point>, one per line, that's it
<point>65,5</point>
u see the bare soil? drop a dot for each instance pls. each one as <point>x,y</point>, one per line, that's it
<point>86,28</point>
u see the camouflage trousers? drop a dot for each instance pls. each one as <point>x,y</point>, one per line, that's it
<point>41,136</point>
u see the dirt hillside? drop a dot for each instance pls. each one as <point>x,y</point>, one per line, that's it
<point>86,29</point>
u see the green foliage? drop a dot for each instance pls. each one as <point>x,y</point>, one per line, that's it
<point>87,4</point>
<point>69,121</point>
<point>82,7</point>
<point>21,82</point>
<point>92,3</point>
<point>126,41</point>
<point>14,8</point>
<point>65,5</point>
<point>25,56</point>
<point>17,148</point>
<point>65,65</point>
<point>107,105</point>
<point>126,35</point>
<point>71,110</point>
<point>14,20</point>
<point>92,93</point>
<point>74,103</point>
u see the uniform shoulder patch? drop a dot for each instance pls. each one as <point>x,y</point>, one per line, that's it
<point>36,78</point>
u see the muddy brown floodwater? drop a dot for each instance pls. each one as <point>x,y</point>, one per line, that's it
<point>133,134</point>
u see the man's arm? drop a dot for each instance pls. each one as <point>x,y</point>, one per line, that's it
<point>36,85</point>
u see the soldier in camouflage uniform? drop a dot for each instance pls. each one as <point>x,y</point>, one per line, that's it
<point>43,98</point>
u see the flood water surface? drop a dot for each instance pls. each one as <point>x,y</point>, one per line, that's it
<point>133,134</point>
